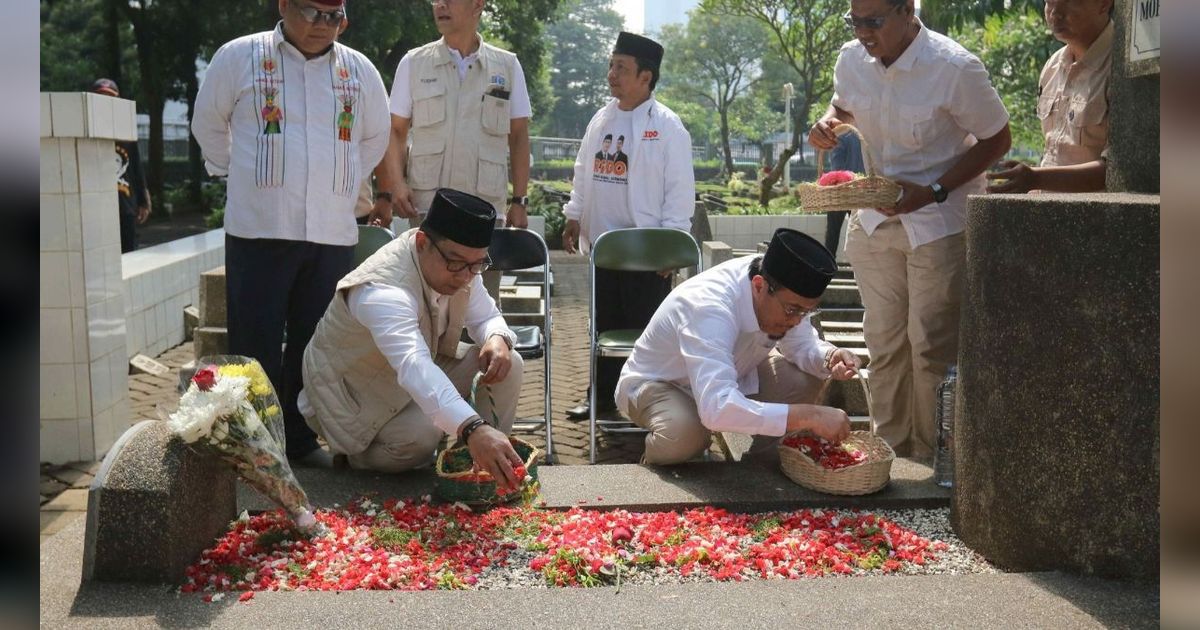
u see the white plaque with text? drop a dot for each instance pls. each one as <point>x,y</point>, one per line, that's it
<point>1143,31</point>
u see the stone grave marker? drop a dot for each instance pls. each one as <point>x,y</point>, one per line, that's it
<point>154,505</point>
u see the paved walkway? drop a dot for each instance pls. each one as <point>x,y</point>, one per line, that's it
<point>63,489</point>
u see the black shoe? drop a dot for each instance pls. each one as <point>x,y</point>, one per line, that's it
<point>581,411</point>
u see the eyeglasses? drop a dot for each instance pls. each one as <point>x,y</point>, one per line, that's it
<point>312,15</point>
<point>872,23</point>
<point>791,311</point>
<point>455,266</point>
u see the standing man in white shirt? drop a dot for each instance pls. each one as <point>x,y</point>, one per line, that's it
<point>385,375</point>
<point>933,123</point>
<point>465,104</point>
<point>733,350</point>
<point>653,185</point>
<point>295,121</point>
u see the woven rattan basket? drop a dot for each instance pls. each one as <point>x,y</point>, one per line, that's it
<point>866,477</point>
<point>479,488</point>
<point>871,191</point>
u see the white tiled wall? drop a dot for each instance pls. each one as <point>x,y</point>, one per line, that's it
<point>160,282</point>
<point>747,231</point>
<point>83,367</point>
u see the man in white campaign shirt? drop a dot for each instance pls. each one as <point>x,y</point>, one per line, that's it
<point>732,349</point>
<point>295,121</point>
<point>933,122</point>
<point>386,375</point>
<point>634,169</point>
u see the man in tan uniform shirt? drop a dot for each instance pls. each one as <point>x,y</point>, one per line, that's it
<point>1072,104</point>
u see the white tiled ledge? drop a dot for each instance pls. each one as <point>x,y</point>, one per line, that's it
<point>747,231</point>
<point>159,282</point>
<point>87,115</point>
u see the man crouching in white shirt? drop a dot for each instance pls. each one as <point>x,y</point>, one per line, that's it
<point>732,350</point>
<point>385,374</point>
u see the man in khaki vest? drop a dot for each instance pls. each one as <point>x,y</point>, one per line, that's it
<point>467,107</point>
<point>385,375</point>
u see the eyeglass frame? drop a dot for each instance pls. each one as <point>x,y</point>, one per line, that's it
<point>873,23</point>
<point>791,311</point>
<point>457,266</point>
<point>312,14</point>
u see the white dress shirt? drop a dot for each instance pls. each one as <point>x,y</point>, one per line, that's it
<point>391,315</point>
<point>402,103</point>
<point>705,339</point>
<point>301,183</point>
<point>919,116</point>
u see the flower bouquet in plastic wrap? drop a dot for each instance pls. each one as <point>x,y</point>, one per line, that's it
<point>230,409</point>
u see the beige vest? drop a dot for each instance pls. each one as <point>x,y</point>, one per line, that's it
<point>350,385</point>
<point>460,128</point>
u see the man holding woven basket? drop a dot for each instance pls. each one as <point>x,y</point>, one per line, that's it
<point>386,375</point>
<point>732,350</point>
<point>932,121</point>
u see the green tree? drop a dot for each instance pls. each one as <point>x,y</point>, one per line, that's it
<point>581,39</point>
<point>716,60</point>
<point>944,16</point>
<point>807,35</point>
<point>1013,47</point>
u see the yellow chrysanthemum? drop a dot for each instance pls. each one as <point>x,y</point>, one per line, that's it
<point>271,411</point>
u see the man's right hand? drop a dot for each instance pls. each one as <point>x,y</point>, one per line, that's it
<point>402,201</point>
<point>491,451</point>
<point>821,134</point>
<point>570,236</point>
<point>827,422</point>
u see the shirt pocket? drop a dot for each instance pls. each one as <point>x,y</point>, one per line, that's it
<point>496,119</point>
<point>1045,107</point>
<point>1088,121</point>
<point>493,172</point>
<point>915,124</point>
<point>425,162</point>
<point>429,104</point>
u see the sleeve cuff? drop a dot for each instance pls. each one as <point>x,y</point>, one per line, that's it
<point>450,417</point>
<point>774,418</point>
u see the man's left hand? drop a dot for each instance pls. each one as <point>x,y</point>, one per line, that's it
<point>495,360</point>
<point>381,214</point>
<point>517,216</point>
<point>843,364</point>
<point>914,197</point>
<point>143,213</point>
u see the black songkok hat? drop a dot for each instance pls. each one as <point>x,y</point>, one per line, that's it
<point>799,262</point>
<point>460,217</point>
<point>638,46</point>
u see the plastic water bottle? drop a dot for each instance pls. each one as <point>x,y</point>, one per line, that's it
<point>943,458</point>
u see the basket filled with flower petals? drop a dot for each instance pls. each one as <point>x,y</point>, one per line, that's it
<point>458,480</point>
<point>842,190</point>
<point>860,464</point>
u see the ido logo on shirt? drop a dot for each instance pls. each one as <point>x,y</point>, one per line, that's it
<point>611,164</point>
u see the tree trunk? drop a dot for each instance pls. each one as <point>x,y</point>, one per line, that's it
<point>725,141</point>
<point>196,173</point>
<point>112,43</point>
<point>152,97</point>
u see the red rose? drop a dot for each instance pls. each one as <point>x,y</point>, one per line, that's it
<point>833,178</point>
<point>621,534</point>
<point>205,377</point>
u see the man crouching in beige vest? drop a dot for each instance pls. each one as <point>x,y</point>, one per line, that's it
<point>385,374</point>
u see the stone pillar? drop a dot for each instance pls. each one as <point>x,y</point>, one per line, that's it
<point>1133,127</point>
<point>84,372</point>
<point>1056,441</point>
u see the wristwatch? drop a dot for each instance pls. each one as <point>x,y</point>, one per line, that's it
<point>383,194</point>
<point>939,194</point>
<point>521,200</point>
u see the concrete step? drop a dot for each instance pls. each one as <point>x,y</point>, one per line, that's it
<point>841,296</point>
<point>834,325</point>
<point>833,313</point>
<point>845,339</point>
<point>849,397</point>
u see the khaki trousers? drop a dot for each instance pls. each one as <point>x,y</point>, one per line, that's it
<point>669,413</point>
<point>913,299</point>
<point>409,439</point>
